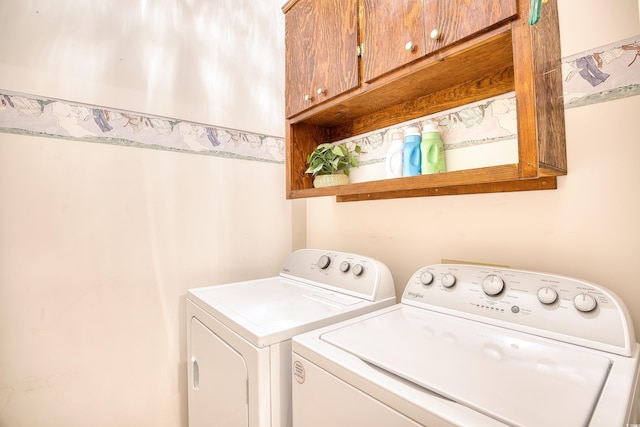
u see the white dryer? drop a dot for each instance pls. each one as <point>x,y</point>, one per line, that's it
<point>239,334</point>
<point>474,346</point>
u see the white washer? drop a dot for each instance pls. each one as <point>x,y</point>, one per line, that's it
<point>239,334</point>
<point>474,346</point>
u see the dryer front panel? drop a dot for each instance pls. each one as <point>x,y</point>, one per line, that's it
<point>217,381</point>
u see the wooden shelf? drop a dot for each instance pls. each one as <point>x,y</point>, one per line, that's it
<point>513,57</point>
<point>548,183</point>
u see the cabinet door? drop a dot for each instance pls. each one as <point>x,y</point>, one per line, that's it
<point>392,35</point>
<point>449,21</point>
<point>321,39</point>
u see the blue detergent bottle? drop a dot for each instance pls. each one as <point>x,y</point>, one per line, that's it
<point>411,152</point>
<point>433,160</point>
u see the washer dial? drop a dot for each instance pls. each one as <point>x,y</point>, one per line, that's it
<point>546,295</point>
<point>345,266</point>
<point>492,285</point>
<point>426,278</point>
<point>448,280</point>
<point>584,302</point>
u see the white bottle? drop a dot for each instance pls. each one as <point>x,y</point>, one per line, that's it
<point>393,163</point>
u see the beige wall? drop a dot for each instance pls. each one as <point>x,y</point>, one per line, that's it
<point>588,228</point>
<point>99,243</point>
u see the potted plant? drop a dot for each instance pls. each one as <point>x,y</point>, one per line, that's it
<point>330,163</point>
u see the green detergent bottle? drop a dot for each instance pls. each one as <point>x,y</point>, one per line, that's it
<point>432,149</point>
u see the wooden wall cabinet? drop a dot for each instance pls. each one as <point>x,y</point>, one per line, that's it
<point>395,33</point>
<point>483,49</point>
<point>322,42</point>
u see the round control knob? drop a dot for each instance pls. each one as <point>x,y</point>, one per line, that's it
<point>448,280</point>
<point>321,91</point>
<point>409,46</point>
<point>345,266</point>
<point>426,278</point>
<point>435,34</point>
<point>584,302</point>
<point>357,270</point>
<point>324,261</point>
<point>492,285</point>
<point>546,295</point>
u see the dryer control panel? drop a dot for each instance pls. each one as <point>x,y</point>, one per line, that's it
<point>349,274</point>
<point>552,306</point>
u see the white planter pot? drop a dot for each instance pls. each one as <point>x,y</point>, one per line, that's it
<point>330,180</point>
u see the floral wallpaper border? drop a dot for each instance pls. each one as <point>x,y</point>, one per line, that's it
<point>51,118</point>
<point>602,74</point>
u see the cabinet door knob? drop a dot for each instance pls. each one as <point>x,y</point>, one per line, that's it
<point>435,34</point>
<point>321,91</point>
<point>307,98</point>
<point>409,47</point>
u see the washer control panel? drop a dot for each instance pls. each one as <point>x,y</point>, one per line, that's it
<point>548,305</point>
<point>351,274</point>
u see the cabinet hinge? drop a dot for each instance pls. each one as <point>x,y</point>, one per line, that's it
<point>360,50</point>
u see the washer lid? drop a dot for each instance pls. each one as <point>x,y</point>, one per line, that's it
<point>272,310</point>
<point>518,379</point>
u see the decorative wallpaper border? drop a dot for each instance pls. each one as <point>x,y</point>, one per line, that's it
<point>602,74</point>
<point>51,118</point>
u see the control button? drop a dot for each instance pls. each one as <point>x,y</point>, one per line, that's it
<point>426,278</point>
<point>357,270</point>
<point>345,266</point>
<point>515,309</point>
<point>492,285</point>
<point>584,302</point>
<point>448,280</point>
<point>546,295</point>
<point>324,261</point>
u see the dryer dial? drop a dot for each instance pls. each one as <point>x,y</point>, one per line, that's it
<point>345,266</point>
<point>324,261</point>
<point>357,270</point>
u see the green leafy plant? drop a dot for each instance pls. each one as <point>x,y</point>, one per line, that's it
<point>328,159</point>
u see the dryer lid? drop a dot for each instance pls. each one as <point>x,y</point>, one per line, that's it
<point>272,310</point>
<point>516,378</point>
